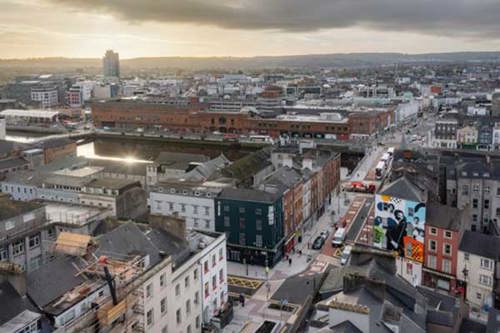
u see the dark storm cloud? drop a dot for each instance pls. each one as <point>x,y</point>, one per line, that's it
<point>475,18</point>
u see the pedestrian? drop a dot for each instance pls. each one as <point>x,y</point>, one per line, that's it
<point>290,261</point>
<point>300,253</point>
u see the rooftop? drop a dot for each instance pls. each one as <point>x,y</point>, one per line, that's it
<point>403,188</point>
<point>443,216</point>
<point>481,245</point>
<point>10,208</point>
<point>244,194</point>
<point>29,113</point>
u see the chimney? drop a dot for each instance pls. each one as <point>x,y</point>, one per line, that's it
<point>13,274</point>
<point>172,224</point>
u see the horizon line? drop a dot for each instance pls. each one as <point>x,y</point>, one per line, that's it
<point>246,57</point>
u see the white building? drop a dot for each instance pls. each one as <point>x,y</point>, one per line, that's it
<point>195,203</point>
<point>47,96</point>
<point>478,258</point>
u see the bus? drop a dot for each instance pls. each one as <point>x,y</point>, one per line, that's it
<point>261,139</point>
<point>385,158</point>
<point>380,170</point>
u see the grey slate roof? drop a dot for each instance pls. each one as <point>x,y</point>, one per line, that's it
<point>244,194</point>
<point>443,216</point>
<point>179,161</point>
<point>52,280</point>
<point>175,247</point>
<point>127,240</point>
<point>345,327</point>
<point>13,304</point>
<point>480,244</point>
<point>404,189</point>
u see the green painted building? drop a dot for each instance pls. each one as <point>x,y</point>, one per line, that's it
<point>253,223</point>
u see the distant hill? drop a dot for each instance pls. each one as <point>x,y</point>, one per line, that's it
<point>231,63</point>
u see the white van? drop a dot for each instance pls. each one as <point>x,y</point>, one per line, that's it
<point>339,237</point>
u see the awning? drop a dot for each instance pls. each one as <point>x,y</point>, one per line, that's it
<point>444,275</point>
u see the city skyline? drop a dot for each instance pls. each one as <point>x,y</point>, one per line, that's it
<point>244,28</point>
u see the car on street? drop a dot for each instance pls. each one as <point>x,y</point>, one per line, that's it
<point>325,234</point>
<point>346,253</point>
<point>318,243</point>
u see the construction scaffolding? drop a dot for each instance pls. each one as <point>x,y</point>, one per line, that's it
<point>123,310</point>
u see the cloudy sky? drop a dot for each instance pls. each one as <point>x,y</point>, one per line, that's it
<point>86,28</point>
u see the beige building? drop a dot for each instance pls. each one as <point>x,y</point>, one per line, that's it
<point>478,257</point>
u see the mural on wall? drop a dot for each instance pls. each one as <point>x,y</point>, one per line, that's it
<point>399,226</point>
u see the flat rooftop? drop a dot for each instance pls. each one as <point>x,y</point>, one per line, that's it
<point>72,214</point>
<point>80,172</point>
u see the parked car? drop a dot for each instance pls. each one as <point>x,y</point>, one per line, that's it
<point>325,234</point>
<point>318,243</point>
<point>346,253</point>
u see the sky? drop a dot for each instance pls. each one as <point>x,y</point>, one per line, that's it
<point>146,28</point>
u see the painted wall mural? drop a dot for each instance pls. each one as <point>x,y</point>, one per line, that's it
<point>399,226</point>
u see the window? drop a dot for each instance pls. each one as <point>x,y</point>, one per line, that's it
<point>221,276</point>
<point>188,307</point>
<point>486,188</point>
<point>447,249</point>
<point>242,223</point>
<point>162,280</point>
<point>486,263</point>
<point>242,239</point>
<point>221,254</point>
<point>485,280</point>
<point>214,260</point>
<point>18,248</point>
<point>149,290</point>
<point>195,222</point>
<point>164,329</point>
<point>258,224</point>
<point>227,221</point>
<point>188,329</point>
<point>4,254</point>
<point>34,241</point>
<point>242,210</point>
<point>214,282</point>
<point>149,317</point>
<point>196,297</point>
<point>498,212</point>
<point>205,266</point>
<point>226,208</point>
<point>207,224</point>
<point>207,210</point>
<point>177,290</point>
<point>486,204</point>
<point>446,266</point>
<point>498,190</point>
<point>432,245</point>
<point>474,218</point>
<point>206,288</point>
<point>163,306</point>
<point>433,231</point>
<point>178,316</point>
<point>447,234</point>
<point>195,274</point>
<point>479,296</point>
<point>258,211</point>
<point>465,190</point>
<point>197,322</point>
<point>186,281</point>
<point>258,240</point>
<point>466,256</point>
<point>195,209</point>
<point>474,203</point>
<point>431,261</point>
<point>183,208</point>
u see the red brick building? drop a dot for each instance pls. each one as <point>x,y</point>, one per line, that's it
<point>193,117</point>
<point>444,228</point>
